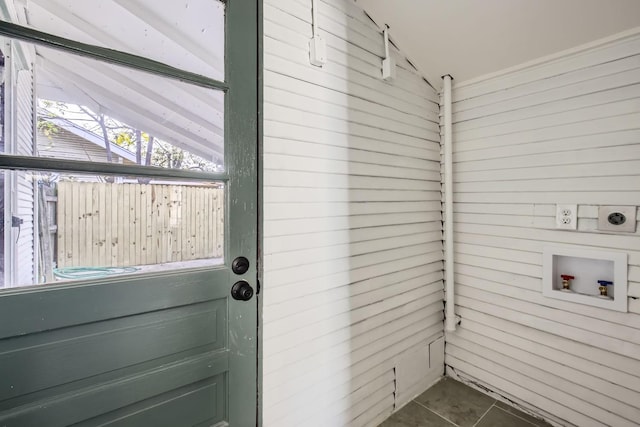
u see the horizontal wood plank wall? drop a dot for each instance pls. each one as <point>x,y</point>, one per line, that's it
<point>564,131</point>
<point>63,144</point>
<point>24,249</point>
<point>352,222</point>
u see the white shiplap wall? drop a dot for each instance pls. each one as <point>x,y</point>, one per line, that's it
<point>564,131</point>
<point>24,203</point>
<point>67,145</point>
<point>20,257</point>
<point>352,223</point>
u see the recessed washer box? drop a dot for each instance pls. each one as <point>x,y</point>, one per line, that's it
<point>587,266</point>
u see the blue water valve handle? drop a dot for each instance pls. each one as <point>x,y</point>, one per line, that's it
<point>604,283</point>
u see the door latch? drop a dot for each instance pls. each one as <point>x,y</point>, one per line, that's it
<point>240,265</point>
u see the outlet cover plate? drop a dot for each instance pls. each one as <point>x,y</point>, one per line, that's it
<point>388,69</point>
<point>617,218</point>
<point>317,51</point>
<point>567,217</point>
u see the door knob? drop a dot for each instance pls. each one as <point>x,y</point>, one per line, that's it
<point>242,291</point>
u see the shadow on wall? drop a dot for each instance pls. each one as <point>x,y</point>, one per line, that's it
<point>353,251</point>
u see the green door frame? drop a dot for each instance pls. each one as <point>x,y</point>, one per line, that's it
<point>242,87</point>
<point>241,126</point>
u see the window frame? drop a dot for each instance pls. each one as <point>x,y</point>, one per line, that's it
<point>106,55</point>
<point>241,88</point>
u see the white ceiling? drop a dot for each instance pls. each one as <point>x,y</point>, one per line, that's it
<point>470,38</point>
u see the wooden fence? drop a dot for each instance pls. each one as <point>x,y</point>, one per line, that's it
<point>109,225</point>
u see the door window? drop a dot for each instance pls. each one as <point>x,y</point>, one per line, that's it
<point>129,174</point>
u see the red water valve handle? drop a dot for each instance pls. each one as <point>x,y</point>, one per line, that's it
<point>567,277</point>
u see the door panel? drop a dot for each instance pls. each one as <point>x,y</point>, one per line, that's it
<point>118,358</point>
<point>48,308</point>
<point>196,405</point>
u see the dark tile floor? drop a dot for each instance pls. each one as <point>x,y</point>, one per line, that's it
<point>450,403</point>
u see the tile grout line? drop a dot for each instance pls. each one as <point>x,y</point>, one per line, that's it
<point>431,410</point>
<point>517,416</point>
<point>485,413</point>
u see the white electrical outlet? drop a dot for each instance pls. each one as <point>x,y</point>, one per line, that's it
<point>567,217</point>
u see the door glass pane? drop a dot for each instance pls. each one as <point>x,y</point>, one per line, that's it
<point>186,34</point>
<point>60,227</point>
<point>98,112</point>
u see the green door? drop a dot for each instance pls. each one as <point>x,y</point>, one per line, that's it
<point>125,316</point>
